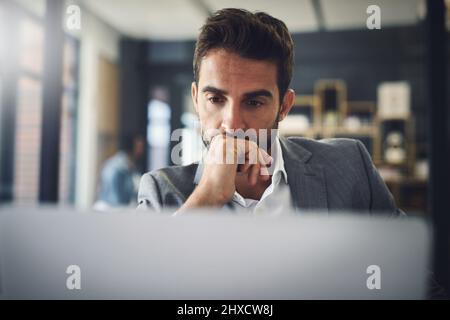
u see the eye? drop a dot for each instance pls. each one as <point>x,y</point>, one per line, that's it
<point>215,100</point>
<point>254,103</point>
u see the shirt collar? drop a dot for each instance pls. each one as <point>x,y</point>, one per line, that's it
<point>278,173</point>
<point>278,161</point>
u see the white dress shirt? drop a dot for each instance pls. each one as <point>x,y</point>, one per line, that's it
<point>276,199</point>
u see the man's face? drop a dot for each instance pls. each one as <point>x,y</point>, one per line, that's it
<point>138,147</point>
<point>238,93</point>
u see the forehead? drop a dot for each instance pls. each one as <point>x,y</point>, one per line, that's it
<point>223,68</point>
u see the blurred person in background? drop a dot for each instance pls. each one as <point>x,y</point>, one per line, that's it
<point>120,176</point>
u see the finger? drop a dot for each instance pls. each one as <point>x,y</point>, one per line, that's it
<point>243,168</point>
<point>216,153</point>
<point>249,151</point>
<point>266,157</point>
<point>264,173</point>
<point>233,150</point>
<point>254,154</point>
<point>253,174</point>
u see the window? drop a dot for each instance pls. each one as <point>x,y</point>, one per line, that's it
<point>68,122</point>
<point>29,112</point>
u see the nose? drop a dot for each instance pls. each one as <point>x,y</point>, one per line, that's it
<point>232,118</point>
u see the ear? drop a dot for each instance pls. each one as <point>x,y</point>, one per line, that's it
<point>286,106</point>
<point>194,95</point>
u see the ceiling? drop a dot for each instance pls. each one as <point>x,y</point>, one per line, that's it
<point>181,19</point>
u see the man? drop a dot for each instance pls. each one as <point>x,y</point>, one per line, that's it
<point>242,70</point>
<point>118,187</point>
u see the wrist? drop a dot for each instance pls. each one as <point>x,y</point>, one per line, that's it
<point>203,196</point>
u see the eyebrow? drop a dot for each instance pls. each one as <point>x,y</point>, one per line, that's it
<point>214,90</point>
<point>247,95</point>
<point>258,93</point>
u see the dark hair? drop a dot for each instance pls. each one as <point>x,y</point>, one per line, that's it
<point>256,36</point>
<point>126,143</point>
<point>128,140</point>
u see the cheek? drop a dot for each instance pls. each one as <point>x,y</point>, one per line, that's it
<point>209,117</point>
<point>260,118</point>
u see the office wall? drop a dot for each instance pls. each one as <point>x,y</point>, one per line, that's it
<point>96,40</point>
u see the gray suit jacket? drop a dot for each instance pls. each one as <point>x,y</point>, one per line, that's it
<point>327,175</point>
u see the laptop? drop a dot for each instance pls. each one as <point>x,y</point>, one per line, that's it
<point>55,253</point>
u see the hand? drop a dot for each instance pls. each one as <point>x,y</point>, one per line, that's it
<point>225,156</point>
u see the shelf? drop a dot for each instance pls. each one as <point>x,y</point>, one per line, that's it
<point>362,131</point>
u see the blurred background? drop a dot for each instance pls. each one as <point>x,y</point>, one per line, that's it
<point>89,88</point>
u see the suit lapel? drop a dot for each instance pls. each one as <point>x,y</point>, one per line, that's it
<point>306,181</point>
